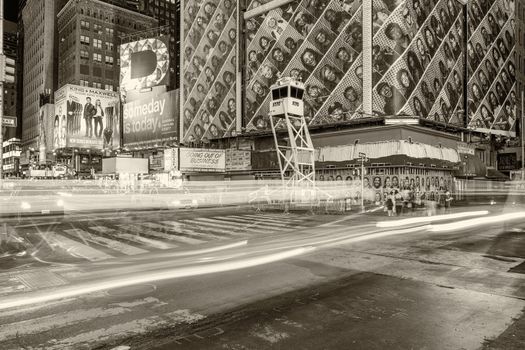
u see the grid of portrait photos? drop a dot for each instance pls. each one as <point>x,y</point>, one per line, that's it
<point>316,41</point>
<point>418,60</point>
<point>490,50</point>
<point>209,61</point>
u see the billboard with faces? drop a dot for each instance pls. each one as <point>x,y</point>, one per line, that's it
<point>86,118</point>
<point>490,49</point>
<point>208,69</point>
<point>318,41</point>
<point>144,63</point>
<point>418,59</point>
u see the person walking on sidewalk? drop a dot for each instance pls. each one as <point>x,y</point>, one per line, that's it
<point>448,201</point>
<point>390,201</point>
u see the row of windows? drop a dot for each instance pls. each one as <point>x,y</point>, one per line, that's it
<point>97,57</point>
<point>107,87</point>
<point>97,43</point>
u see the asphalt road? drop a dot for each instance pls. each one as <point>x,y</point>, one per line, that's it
<point>264,280</point>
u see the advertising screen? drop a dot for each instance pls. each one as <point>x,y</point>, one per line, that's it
<point>202,160</point>
<point>144,63</point>
<point>86,118</point>
<point>318,42</point>
<point>151,120</point>
<point>208,77</point>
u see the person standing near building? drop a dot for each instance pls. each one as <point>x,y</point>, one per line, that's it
<point>99,115</point>
<point>89,112</point>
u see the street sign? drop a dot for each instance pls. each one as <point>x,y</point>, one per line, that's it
<point>9,122</point>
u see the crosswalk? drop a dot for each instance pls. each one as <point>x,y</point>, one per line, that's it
<point>98,240</point>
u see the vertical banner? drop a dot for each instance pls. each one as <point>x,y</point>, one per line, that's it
<point>208,70</point>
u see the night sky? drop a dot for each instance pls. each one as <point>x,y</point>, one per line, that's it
<point>10,10</point>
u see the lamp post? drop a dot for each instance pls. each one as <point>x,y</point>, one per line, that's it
<point>362,159</point>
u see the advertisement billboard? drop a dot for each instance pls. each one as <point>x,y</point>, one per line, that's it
<point>238,160</point>
<point>144,63</point>
<point>318,42</point>
<point>86,117</point>
<point>208,69</point>
<point>151,120</point>
<point>202,160</point>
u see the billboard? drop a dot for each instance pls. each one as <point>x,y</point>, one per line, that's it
<point>320,43</point>
<point>238,160</point>
<point>492,71</point>
<point>202,160</point>
<point>86,118</point>
<point>144,63</point>
<point>151,120</point>
<point>418,60</point>
<point>208,69</point>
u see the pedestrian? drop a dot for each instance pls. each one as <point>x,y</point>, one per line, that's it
<point>398,202</point>
<point>390,204</point>
<point>448,201</point>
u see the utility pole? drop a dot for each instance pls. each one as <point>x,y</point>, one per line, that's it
<point>2,77</point>
<point>362,159</point>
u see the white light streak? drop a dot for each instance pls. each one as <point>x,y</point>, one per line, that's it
<point>426,219</point>
<point>477,222</point>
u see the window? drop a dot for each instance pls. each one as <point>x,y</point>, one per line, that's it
<point>97,28</point>
<point>97,43</point>
<point>109,31</point>
<point>84,82</point>
<point>84,40</point>
<point>109,46</point>
<point>97,85</point>
<point>84,25</point>
<point>84,55</point>
<point>108,87</point>
<point>97,57</point>
<point>109,60</point>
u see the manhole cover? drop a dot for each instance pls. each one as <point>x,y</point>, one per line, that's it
<point>132,290</point>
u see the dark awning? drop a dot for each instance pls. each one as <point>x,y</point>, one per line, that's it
<point>471,166</point>
<point>494,174</point>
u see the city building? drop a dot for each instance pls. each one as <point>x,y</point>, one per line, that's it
<point>10,84</point>
<point>39,63</point>
<point>11,155</point>
<point>89,33</point>
<point>167,12</point>
<point>365,64</point>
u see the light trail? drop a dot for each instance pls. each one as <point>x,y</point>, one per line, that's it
<point>427,219</point>
<point>477,222</point>
<point>148,277</point>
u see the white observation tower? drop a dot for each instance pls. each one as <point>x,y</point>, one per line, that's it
<point>297,158</point>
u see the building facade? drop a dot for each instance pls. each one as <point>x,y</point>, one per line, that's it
<point>89,33</point>
<point>167,12</point>
<point>437,60</point>
<point>10,84</point>
<point>39,74</point>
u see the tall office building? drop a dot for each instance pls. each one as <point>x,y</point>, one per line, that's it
<point>520,51</point>
<point>10,85</point>
<point>90,34</point>
<point>39,74</point>
<point>167,12</point>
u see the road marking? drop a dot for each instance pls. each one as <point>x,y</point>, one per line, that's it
<point>46,323</point>
<point>262,221</point>
<point>228,228</point>
<point>106,242</point>
<point>140,230</point>
<point>75,248</point>
<point>179,228</point>
<point>275,219</point>
<point>40,279</point>
<point>133,238</point>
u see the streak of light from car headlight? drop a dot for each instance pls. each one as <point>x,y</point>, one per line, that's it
<point>65,194</point>
<point>426,219</point>
<point>60,203</point>
<point>25,206</point>
<point>477,222</point>
<point>149,277</point>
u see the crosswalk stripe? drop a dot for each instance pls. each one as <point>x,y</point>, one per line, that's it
<point>106,242</point>
<point>255,221</point>
<point>229,226</point>
<point>177,227</point>
<point>76,248</point>
<point>133,238</point>
<point>271,219</point>
<point>148,232</point>
<point>228,230</point>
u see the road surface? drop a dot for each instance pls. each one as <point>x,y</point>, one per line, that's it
<point>237,279</point>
